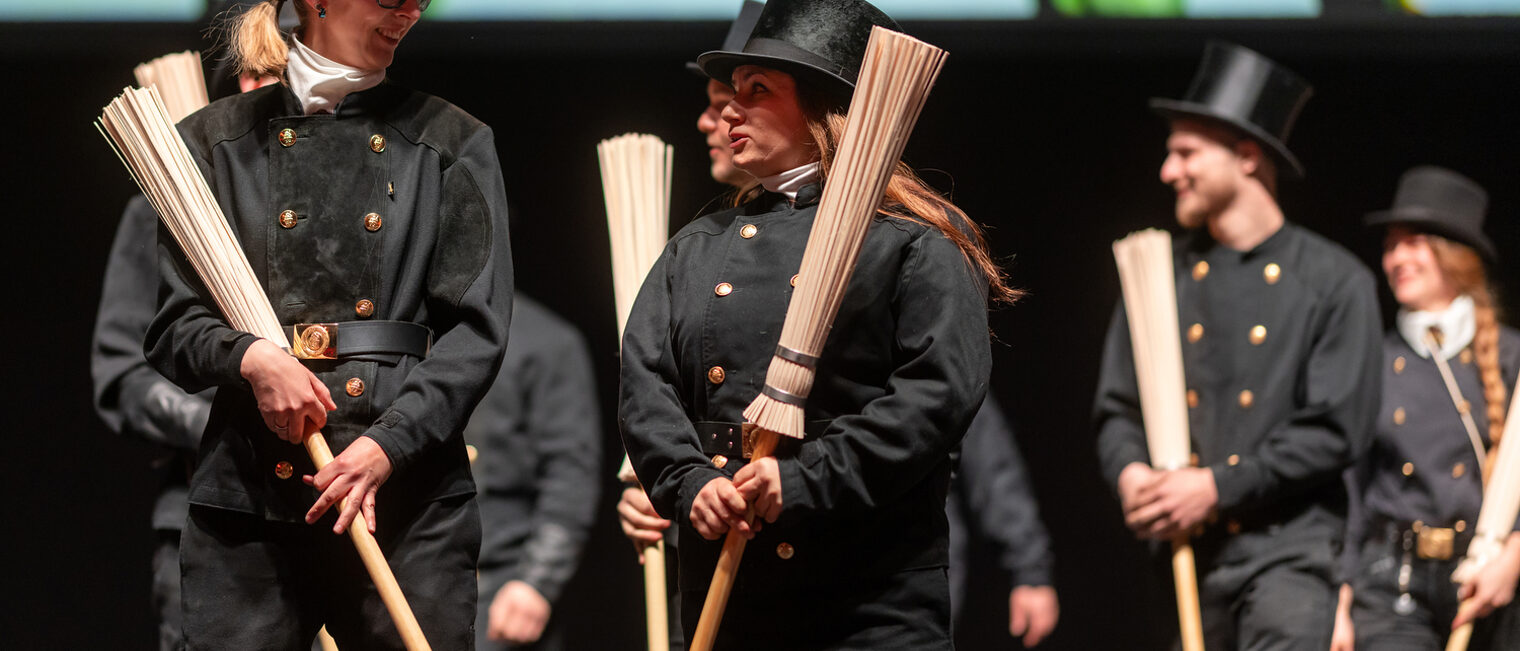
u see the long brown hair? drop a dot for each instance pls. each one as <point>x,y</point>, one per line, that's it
<point>254,40</point>
<point>907,196</point>
<point>1464,270</point>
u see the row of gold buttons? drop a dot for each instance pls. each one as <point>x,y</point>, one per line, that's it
<point>1257,336</point>
<point>372,221</point>
<point>287,138</point>
<point>1270,273</point>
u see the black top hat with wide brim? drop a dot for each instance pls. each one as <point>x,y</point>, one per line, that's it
<point>823,41</point>
<point>1243,89</point>
<point>738,32</point>
<point>1439,201</point>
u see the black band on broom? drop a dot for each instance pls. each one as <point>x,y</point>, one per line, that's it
<point>138,127</point>
<point>894,83</point>
<point>636,187</point>
<point>1150,301</point>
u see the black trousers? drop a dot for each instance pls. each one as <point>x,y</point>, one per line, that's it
<point>166,601</point>
<point>249,583</point>
<point>1426,621</point>
<point>1279,597</point>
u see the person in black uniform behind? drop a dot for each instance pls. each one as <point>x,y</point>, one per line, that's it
<point>1280,354</point>
<point>852,550</point>
<point>1418,492</point>
<point>380,209</point>
<point>537,436</point>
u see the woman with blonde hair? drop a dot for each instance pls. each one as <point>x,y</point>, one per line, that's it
<point>1416,495</point>
<point>374,216</point>
<point>849,545</point>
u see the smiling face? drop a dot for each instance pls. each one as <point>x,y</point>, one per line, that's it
<point>767,129</point>
<point>1414,274</point>
<point>712,125</point>
<point>358,33</point>
<point>1205,168</point>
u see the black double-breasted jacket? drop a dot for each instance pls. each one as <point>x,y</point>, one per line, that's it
<point>1280,351</point>
<point>902,373</point>
<point>391,208</point>
<point>1422,466</point>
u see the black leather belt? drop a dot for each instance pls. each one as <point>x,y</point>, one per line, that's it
<point>354,338</point>
<point>727,439</point>
<point>1427,542</point>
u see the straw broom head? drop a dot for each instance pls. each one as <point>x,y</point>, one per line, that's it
<point>894,83</point>
<point>636,188</point>
<point>1150,302</point>
<point>179,79</point>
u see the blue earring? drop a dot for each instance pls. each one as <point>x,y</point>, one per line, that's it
<point>321,11</point>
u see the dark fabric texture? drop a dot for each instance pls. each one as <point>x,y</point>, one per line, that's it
<point>537,436</point>
<point>1278,598</point>
<point>130,396</point>
<point>1427,625</point>
<point>252,583</point>
<point>440,259</point>
<point>901,375</point>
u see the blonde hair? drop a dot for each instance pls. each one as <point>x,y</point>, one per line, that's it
<point>255,43</point>
<point>1464,270</point>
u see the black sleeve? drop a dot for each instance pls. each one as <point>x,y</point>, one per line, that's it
<point>1116,410</point>
<point>996,490</point>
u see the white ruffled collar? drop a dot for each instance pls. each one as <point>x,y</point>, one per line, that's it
<point>321,83</point>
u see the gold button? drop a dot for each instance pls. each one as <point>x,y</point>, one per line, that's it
<point>1408,469</point>
<point>284,470</point>
<point>723,289</point>
<point>1233,460</point>
<point>785,551</point>
<point>794,279</point>
<point>1258,335</point>
<point>288,218</point>
<point>354,387</point>
<point>372,222</point>
<point>1398,364</point>
<point>287,137</point>
<point>715,375</point>
<point>1192,398</point>
<point>1460,526</point>
<point>1201,270</point>
<point>748,231</point>
<point>1233,527</point>
<point>1272,273</point>
<point>1458,470</point>
<point>1417,526</point>
<point>1247,398</point>
<point>377,143</point>
<point>1195,332</point>
<point>719,460</point>
<point>1465,356</point>
<point>1398,416</point>
<point>364,308</point>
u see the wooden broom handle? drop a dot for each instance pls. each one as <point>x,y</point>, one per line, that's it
<point>728,561</point>
<point>1185,577</point>
<point>374,559</point>
<point>656,610</point>
<point>1462,636</point>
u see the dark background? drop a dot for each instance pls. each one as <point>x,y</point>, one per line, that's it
<point>1040,130</point>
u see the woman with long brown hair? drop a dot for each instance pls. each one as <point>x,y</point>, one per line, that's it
<point>849,548</point>
<point>375,219</point>
<point>1417,493</point>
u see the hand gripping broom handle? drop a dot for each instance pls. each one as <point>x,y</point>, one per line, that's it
<point>374,560</point>
<point>728,560</point>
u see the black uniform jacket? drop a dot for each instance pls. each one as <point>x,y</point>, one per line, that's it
<point>902,373</point>
<point>1422,467</point>
<point>398,201</point>
<point>538,434</point>
<point>131,397</point>
<point>1280,348</point>
<point>991,495</point>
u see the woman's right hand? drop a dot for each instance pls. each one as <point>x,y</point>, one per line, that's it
<point>287,393</point>
<point>1344,636</point>
<point>640,522</point>
<point>718,508</point>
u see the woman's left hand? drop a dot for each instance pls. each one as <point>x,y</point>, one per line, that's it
<point>759,482</point>
<point>352,478</point>
<point>1492,587</point>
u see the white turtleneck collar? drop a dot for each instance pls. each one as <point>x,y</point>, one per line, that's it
<point>321,83</point>
<point>792,180</point>
<point>1457,323</point>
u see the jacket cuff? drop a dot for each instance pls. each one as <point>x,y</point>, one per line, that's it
<point>233,372</point>
<point>396,446</point>
<point>1034,575</point>
<point>1233,483</point>
<point>690,486</point>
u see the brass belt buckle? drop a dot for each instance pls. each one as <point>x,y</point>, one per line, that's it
<point>747,439</point>
<point>1434,543</point>
<point>315,340</point>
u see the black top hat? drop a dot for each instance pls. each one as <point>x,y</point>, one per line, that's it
<point>1247,91</point>
<point>1442,202</point>
<point>823,41</point>
<point>738,32</point>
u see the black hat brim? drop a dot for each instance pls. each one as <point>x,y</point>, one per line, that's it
<point>1173,109</point>
<point>720,65</point>
<point>1428,221</point>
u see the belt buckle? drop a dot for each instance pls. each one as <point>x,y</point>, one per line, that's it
<point>315,340</point>
<point>747,439</point>
<point>1434,543</point>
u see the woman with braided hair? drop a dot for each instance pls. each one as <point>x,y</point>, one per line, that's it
<point>375,218</point>
<point>1416,495</point>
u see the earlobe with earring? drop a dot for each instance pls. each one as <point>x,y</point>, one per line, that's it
<point>321,11</point>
